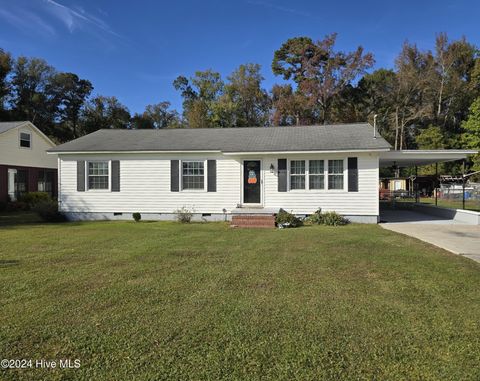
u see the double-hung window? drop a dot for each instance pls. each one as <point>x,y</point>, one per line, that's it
<point>297,174</point>
<point>316,175</point>
<point>335,174</point>
<point>98,175</point>
<point>193,175</point>
<point>25,140</point>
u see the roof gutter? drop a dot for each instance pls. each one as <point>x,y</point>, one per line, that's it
<point>55,152</point>
<point>306,151</point>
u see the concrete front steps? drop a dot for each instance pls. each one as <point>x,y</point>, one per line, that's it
<point>253,218</point>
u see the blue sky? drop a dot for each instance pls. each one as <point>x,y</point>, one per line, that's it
<point>135,49</point>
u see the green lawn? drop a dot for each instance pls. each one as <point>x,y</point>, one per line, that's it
<point>165,301</point>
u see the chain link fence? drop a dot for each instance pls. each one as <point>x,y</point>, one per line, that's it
<point>449,194</point>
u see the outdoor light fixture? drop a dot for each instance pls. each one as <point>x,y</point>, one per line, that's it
<point>272,168</point>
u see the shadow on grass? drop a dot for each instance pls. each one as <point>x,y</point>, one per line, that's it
<point>8,263</point>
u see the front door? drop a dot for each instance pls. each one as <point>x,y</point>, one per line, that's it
<point>251,182</point>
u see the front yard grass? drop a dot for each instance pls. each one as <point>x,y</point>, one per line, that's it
<point>166,301</point>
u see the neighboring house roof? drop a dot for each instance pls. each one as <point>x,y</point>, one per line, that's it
<point>7,126</point>
<point>341,137</point>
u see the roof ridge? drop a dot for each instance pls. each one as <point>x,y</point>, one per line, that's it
<point>234,128</point>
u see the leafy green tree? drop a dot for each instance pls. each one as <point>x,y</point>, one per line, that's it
<point>161,115</point>
<point>471,132</point>
<point>319,72</point>
<point>431,138</point>
<point>414,70</point>
<point>6,64</point>
<point>376,93</point>
<point>454,66</point>
<point>244,103</point>
<point>290,108</point>
<point>68,93</point>
<point>200,94</point>
<point>156,116</point>
<point>141,122</point>
<point>29,99</point>
<point>103,112</point>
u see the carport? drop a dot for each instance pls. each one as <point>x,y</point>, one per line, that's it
<point>412,212</point>
<point>454,230</point>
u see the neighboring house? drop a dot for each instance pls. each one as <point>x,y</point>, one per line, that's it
<point>111,174</point>
<point>25,165</point>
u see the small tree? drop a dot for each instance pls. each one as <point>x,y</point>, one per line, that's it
<point>471,134</point>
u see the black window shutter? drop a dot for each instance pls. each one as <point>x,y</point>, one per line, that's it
<point>81,176</point>
<point>282,175</point>
<point>174,180</point>
<point>115,175</point>
<point>353,174</point>
<point>212,175</point>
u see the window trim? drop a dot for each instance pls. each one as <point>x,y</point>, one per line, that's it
<point>205,175</point>
<point>20,132</point>
<point>325,175</point>
<point>317,174</point>
<point>87,183</point>
<point>344,174</point>
<point>305,175</point>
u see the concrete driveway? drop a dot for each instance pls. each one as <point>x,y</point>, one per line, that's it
<point>448,234</point>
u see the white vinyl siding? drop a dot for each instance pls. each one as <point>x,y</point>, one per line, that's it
<point>361,203</point>
<point>146,185</point>
<point>11,153</point>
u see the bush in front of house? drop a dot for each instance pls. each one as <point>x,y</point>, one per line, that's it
<point>48,211</point>
<point>33,198</point>
<point>283,219</point>
<point>327,218</point>
<point>137,216</point>
<point>16,206</point>
<point>184,215</point>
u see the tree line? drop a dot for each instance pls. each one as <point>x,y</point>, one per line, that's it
<point>430,99</point>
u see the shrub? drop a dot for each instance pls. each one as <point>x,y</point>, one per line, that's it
<point>315,218</point>
<point>48,211</point>
<point>33,198</point>
<point>327,218</point>
<point>184,215</point>
<point>16,206</point>
<point>284,219</point>
<point>137,216</point>
<point>334,219</point>
<point>3,206</point>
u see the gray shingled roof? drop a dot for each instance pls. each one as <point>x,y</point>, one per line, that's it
<point>5,126</point>
<point>249,139</point>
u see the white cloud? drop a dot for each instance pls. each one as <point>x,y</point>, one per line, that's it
<point>76,17</point>
<point>27,21</point>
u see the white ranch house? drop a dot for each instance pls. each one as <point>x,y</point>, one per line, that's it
<point>217,173</point>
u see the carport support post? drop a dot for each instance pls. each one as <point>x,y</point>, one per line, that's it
<point>463,185</point>
<point>415,186</point>
<point>436,184</point>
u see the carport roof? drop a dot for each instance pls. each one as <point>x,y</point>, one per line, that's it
<point>411,158</point>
